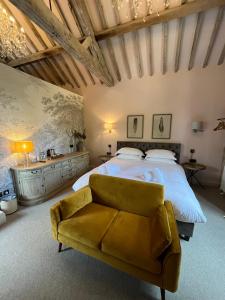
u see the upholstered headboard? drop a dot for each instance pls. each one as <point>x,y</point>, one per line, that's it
<point>144,146</point>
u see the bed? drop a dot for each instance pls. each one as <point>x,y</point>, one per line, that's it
<point>186,206</point>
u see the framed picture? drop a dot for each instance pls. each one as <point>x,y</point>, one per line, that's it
<point>135,126</point>
<point>161,126</point>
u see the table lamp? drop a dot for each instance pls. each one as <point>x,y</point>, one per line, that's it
<point>24,147</point>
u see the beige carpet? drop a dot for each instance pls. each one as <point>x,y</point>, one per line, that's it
<point>31,268</point>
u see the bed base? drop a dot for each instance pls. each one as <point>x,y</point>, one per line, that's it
<point>185,230</point>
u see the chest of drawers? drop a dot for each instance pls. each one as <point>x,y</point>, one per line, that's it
<point>39,182</point>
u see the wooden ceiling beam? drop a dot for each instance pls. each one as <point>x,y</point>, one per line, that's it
<point>150,50</point>
<point>83,19</point>
<point>39,13</point>
<point>186,9</point>
<point>165,33</point>
<point>214,35</point>
<point>43,54</point>
<point>122,43</point>
<point>222,56</point>
<point>136,42</point>
<point>109,45</point>
<point>198,29</point>
<point>180,36</point>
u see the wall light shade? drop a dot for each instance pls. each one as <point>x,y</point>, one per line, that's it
<point>196,126</point>
<point>109,127</point>
<point>23,147</point>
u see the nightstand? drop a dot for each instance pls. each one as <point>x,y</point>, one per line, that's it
<point>192,169</point>
<point>105,158</point>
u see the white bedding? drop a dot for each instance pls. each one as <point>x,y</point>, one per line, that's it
<point>172,176</point>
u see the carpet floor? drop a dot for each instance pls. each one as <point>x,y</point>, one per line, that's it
<point>31,268</point>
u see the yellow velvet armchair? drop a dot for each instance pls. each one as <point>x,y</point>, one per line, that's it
<point>97,219</point>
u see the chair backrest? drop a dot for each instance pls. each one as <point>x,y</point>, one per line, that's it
<point>124,194</point>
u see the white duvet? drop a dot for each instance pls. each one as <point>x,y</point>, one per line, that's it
<point>170,175</point>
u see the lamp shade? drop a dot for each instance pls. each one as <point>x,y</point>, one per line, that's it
<point>23,147</point>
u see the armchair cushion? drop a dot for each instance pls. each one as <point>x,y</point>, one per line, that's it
<point>74,202</point>
<point>161,237</point>
<point>129,239</point>
<point>89,224</point>
<point>133,196</point>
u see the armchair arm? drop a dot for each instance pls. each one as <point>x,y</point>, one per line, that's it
<point>172,258</point>
<point>55,216</point>
<point>68,207</point>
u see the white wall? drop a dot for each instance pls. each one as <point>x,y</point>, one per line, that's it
<point>196,95</point>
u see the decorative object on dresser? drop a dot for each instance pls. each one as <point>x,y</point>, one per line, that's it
<point>38,182</point>
<point>135,126</point>
<point>192,169</point>
<point>161,126</point>
<point>24,147</point>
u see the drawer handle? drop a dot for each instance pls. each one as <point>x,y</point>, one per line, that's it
<point>34,172</point>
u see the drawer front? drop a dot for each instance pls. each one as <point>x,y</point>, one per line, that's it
<point>30,173</point>
<point>52,167</point>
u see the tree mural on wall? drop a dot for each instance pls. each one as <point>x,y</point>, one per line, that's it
<point>66,112</point>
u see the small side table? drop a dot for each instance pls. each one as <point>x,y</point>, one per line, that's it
<point>192,169</point>
<point>105,158</point>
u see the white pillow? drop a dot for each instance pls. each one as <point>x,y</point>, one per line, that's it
<point>161,160</point>
<point>160,153</point>
<point>129,151</point>
<point>128,156</point>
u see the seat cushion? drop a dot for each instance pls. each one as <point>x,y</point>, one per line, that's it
<point>128,239</point>
<point>88,225</point>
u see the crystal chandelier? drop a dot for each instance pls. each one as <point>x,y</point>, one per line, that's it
<point>12,38</point>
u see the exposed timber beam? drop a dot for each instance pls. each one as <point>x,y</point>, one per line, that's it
<point>136,42</point>
<point>39,13</point>
<point>222,56</point>
<point>179,43</point>
<point>109,45</point>
<point>82,17</point>
<point>164,16</point>
<point>36,56</point>
<point>198,29</point>
<point>150,50</point>
<point>165,33</point>
<point>122,43</point>
<point>214,35</point>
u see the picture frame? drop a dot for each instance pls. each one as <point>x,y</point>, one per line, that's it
<point>135,126</point>
<point>161,126</point>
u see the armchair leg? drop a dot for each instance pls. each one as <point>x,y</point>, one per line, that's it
<point>60,247</point>
<point>163,294</point>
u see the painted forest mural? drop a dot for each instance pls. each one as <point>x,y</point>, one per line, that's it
<point>32,109</point>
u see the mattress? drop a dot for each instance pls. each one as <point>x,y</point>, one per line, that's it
<point>170,175</point>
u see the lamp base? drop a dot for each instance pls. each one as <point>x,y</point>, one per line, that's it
<point>193,161</point>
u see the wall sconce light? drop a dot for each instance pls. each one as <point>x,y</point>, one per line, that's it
<point>24,147</point>
<point>197,126</point>
<point>109,127</point>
